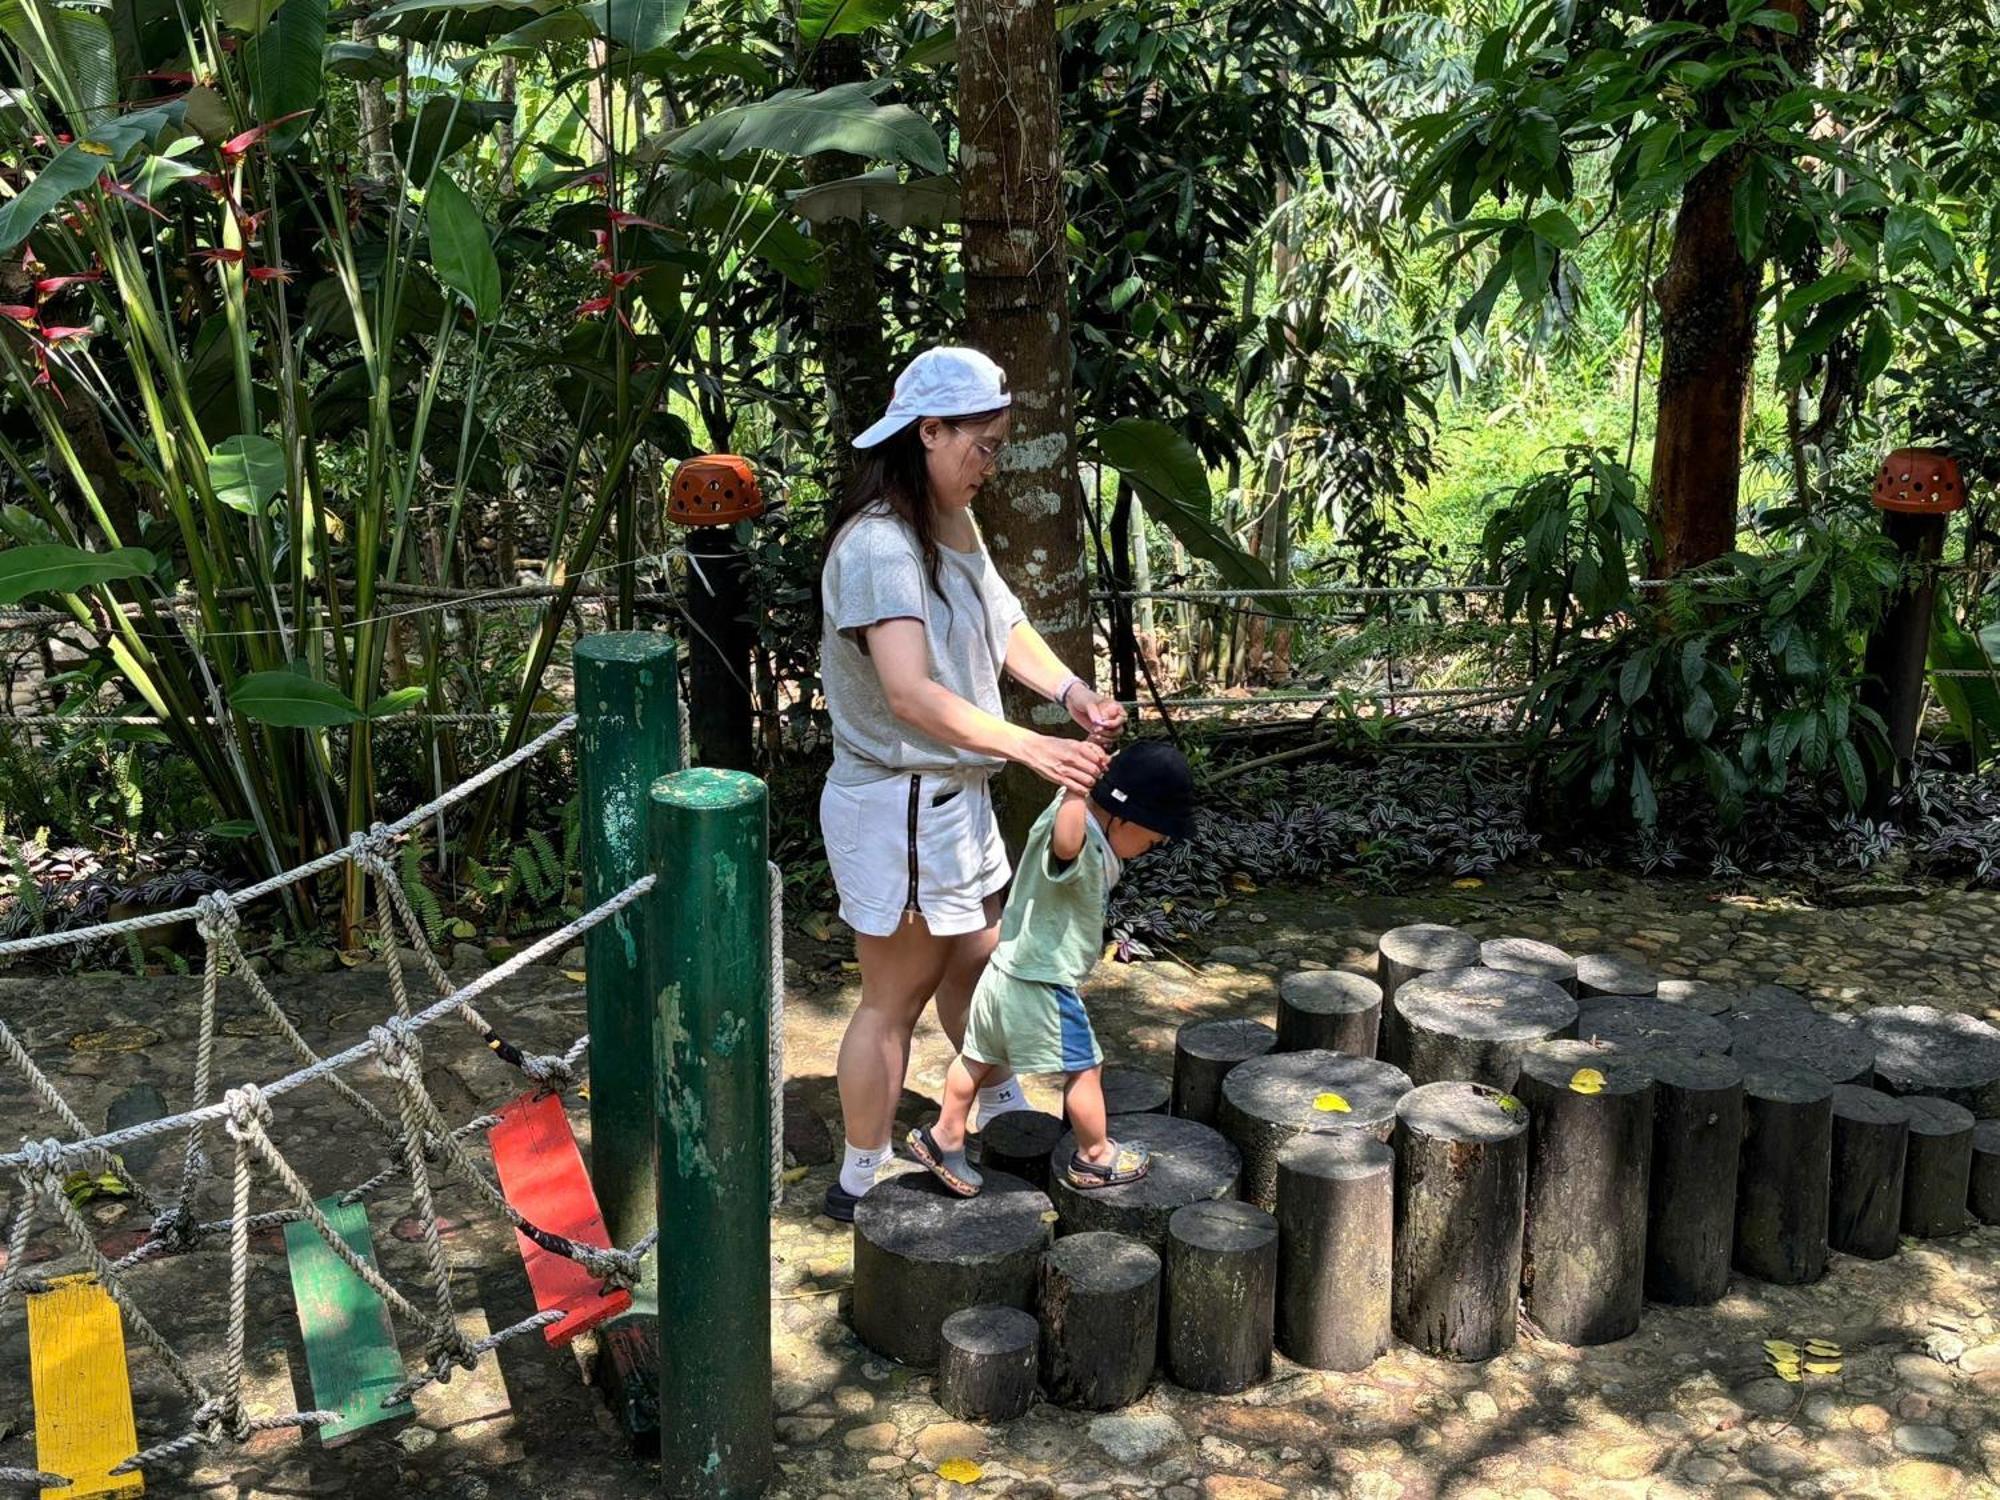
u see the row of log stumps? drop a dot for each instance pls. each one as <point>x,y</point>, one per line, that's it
<point>1477,1131</point>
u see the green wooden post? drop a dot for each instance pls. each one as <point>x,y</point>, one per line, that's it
<point>707,934</point>
<point>628,737</point>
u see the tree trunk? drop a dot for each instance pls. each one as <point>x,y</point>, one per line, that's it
<point>1708,342</point>
<point>1017,310</point>
<point>847,308</point>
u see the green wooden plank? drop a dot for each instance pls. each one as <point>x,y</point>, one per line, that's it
<point>351,1349</point>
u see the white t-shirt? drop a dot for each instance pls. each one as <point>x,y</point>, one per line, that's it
<point>874,573</point>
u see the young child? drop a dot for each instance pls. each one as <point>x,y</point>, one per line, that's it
<point>1025,1013</point>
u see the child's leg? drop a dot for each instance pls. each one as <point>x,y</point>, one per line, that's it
<point>962,1082</point>
<point>1083,1100</point>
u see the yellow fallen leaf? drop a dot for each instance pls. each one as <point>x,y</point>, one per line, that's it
<point>1512,1105</point>
<point>960,1471</point>
<point>1049,1216</point>
<point>850,966</point>
<point>1586,1081</point>
<point>1822,1367</point>
<point>1779,1348</point>
<point>793,1174</point>
<point>1824,1348</point>
<point>1242,882</point>
<point>1470,883</point>
<point>1333,1104</point>
<point>575,976</point>
<point>1789,1374</point>
<point>352,957</point>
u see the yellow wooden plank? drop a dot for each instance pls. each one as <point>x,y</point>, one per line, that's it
<point>83,1395</point>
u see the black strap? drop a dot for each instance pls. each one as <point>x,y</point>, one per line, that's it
<point>911,906</point>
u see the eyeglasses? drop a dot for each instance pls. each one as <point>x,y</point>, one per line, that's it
<point>986,448</point>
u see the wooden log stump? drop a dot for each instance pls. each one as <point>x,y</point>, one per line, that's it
<point>1405,952</point>
<point>1760,999</point>
<point>1695,994</point>
<point>1938,1178</point>
<point>1784,1186</point>
<point>1613,974</point>
<point>1204,1052</point>
<point>1019,1143</point>
<point>1461,1193</point>
<point>1697,1146</point>
<point>987,1363</point>
<point>1636,1023</point>
<point>1336,1232</point>
<point>1099,1298</point>
<point>1590,1161</point>
<point>1837,1050</point>
<point>1921,1050</point>
<point>1536,960</point>
<point>921,1254</point>
<point>1222,1291</point>
<point>1871,1142</point>
<point>1329,1010</point>
<point>1132,1091</point>
<point>1984,1198</point>
<point>1472,1025</point>
<point>1192,1163</point>
<point>1268,1100</point>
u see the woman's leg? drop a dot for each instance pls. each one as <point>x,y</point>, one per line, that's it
<point>899,974</point>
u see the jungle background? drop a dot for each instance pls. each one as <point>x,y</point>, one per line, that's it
<point>1453,422</point>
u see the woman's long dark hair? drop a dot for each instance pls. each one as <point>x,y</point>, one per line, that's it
<point>895,474</point>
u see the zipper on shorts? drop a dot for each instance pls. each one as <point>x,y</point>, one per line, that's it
<point>912,908</point>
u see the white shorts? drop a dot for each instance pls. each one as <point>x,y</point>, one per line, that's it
<point>914,848</point>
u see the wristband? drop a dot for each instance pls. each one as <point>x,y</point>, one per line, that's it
<point>1062,694</point>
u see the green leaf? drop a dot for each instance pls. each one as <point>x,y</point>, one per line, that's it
<point>402,700</point>
<point>1973,703</point>
<point>362,60</point>
<point>247,17</point>
<point>824,18</point>
<point>286,60</point>
<point>1699,717</point>
<point>53,569</point>
<point>921,203</point>
<point>1750,207</point>
<point>636,25</point>
<point>70,170</point>
<point>460,248</point>
<point>1635,678</point>
<point>289,698</point>
<point>799,122</point>
<point>440,130</point>
<point>1878,347</point>
<point>77,60</point>
<point>1555,226</point>
<point>1172,484</point>
<point>1852,779</point>
<point>1645,806</point>
<point>247,472</point>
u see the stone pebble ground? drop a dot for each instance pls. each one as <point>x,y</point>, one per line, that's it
<point>1686,1407</point>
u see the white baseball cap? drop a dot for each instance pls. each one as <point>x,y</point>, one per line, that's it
<point>944,382</point>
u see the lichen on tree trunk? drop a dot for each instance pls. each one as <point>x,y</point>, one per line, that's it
<point>1017,310</point>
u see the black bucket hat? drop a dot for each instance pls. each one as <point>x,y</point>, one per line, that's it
<point>1149,783</point>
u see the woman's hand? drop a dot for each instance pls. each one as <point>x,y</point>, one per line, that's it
<point>1072,764</point>
<point>1101,717</point>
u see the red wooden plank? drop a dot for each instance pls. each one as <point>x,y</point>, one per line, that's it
<point>542,1174</point>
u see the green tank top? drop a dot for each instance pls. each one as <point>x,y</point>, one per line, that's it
<point>1053,928</point>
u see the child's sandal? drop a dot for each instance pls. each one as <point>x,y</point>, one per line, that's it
<point>1127,1164</point>
<point>924,1147</point>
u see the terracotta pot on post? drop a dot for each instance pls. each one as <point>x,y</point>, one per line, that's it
<point>1916,489</point>
<point>709,495</point>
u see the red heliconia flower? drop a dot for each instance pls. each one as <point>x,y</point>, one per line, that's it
<point>48,286</point>
<point>58,334</point>
<point>270,273</point>
<point>237,145</point>
<point>17,312</point>
<point>603,238</point>
<point>622,220</point>
<point>118,189</point>
<point>217,257</point>
<point>591,179</point>
<point>623,279</point>
<point>186,80</point>
<point>250,224</point>
<point>595,307</point>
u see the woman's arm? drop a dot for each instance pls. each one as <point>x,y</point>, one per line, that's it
<point>1031,663</point>
<point>902,663</point>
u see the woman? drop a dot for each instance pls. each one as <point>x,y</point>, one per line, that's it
<point>918,628</point>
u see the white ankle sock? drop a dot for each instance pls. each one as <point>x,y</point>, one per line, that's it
<point>1000,1099</point>
<point>857,1168</point>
